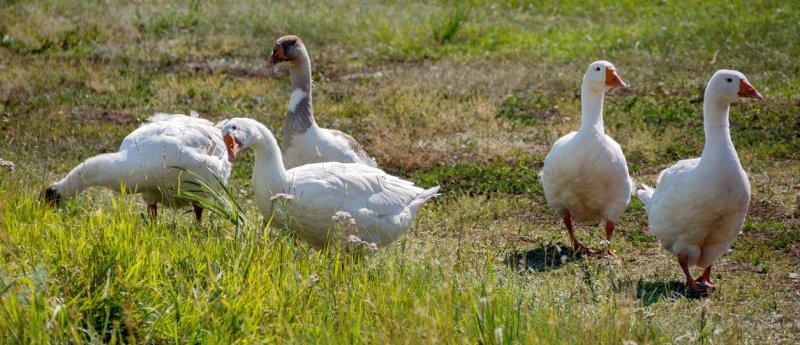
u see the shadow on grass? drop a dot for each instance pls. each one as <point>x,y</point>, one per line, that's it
<point>545,258</point>
<point>656,291</point>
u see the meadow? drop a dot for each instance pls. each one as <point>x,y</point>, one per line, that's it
<point>467,95</point>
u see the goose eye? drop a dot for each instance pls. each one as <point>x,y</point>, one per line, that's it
<point>598,68</point>
<point>729,80</point>
<point>233,127</point>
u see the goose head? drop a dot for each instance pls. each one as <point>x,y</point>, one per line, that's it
<point>287,48</point>
<point>51,196</point>
<point>239,133</point>
<point>728,85</point>
<point>602,76</point>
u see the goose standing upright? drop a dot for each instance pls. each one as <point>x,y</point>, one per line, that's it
<point>303,141</point>
<point>151,161</point>
<point>381,207</point>
<point>585,175</point>
<point>699,205</point>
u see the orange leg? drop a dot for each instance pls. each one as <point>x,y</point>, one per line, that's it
<point>576,246</point>
<point>609,233</point>
<point>152,210</point>
<point>691,285</point>
<point>705,278</point>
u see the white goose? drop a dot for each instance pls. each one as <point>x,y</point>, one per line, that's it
<point>151,161</point>
<point>585,176</point>
<point>303,141</point>
<point>381,206</point>
<point>699,205</point>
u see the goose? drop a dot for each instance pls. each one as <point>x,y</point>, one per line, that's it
<point>585,175</point>
<point>303,141</point>
<point>153,161</point>
<point>379,207</point>
<point>699,205</point>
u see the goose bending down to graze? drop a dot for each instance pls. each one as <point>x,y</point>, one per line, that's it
<point>381,207</point>
<point>303,141</point>
<point>154,160</point>
<point>699,205</point>
<point>585,176</point>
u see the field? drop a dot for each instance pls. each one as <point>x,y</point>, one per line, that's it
<point>466,95</point>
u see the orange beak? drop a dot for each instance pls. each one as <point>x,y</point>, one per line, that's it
<point>747,90</point>
<point>277,56</point>
<point>612,79</point>
<point>233,146</point>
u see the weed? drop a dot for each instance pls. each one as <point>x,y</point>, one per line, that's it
<point>445,28</point>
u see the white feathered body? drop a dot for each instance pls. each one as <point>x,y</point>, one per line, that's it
<point>319,145</point>
<point>698,208</point>
<point>381,205</point>
<point>585,175</point>
<point>154,160</point>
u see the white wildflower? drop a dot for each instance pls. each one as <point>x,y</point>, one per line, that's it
<point>312,280</point>
<point>282,196</point>
<point>353,239</point>
<point>498,335</point>
<point>339,215</point>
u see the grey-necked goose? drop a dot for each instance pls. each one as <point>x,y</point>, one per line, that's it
<point>303,141</point>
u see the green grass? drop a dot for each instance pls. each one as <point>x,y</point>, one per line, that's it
<point>469,96</point>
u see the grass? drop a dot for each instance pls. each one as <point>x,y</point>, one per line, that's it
<point>468,96</point>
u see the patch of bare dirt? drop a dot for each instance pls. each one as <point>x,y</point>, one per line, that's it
<point>794,251</point>
<point>526,216</point>
<point>234,67</point>
<point>102,116</point>
<point>760,209</point>
<point>723,266</point>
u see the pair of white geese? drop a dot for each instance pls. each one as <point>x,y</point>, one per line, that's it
<point>696,210</point>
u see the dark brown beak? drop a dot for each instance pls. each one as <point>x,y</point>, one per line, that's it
<point>277,56</point>
<point>612,79</point>
<point>233,146</point>
<point>747,90</point>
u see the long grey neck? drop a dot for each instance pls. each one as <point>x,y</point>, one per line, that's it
<point>268,165</point>
<point>591,110</point>
<point>718,144</point>
<point>300,116</point>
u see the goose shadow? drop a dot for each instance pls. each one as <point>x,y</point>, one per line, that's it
<point>650,292</point>
<point>545,258</point>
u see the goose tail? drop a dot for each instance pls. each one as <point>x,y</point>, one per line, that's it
<point>428,193</point>
<point>421,198</point>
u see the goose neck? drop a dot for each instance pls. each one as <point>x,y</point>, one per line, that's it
<point>592,110</point>
<point>300,72</point>
<point>107,170</point>
<point>300,115</point>
<point>717,130</point>
<point>268,167</point>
